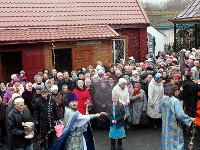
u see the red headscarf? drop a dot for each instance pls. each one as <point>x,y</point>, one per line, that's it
<point>136,85</point>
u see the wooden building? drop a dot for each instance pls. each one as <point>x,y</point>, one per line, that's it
<point>69,34</point>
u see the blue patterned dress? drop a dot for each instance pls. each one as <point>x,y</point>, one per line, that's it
<point>116,132</point>
<point>172,116</point>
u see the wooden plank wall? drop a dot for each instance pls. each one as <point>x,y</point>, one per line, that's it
<point>101,51</point>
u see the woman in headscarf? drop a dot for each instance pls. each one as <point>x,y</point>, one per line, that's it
<point>27,95</point>
<point>138,102</point>
<point>155,94</point>
<point>59,100</point>
<point>48,85</point>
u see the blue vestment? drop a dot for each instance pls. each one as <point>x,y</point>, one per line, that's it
<point>172,116</point>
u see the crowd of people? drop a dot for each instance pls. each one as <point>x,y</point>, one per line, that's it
<point>157,92</point>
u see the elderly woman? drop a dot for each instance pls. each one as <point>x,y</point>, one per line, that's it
<point>27,95</point>
<point>83,96</point>
<point>59,100</point>
<point>155,94</point>
<point>16,116</point>
<point>38,81</point>
<point>48,85</point>
<point>95,81</point>
<point>138,103</point>
<point>135,77</point>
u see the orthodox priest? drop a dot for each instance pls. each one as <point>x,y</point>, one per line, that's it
<point>75,124</point>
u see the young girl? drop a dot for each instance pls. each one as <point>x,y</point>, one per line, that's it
<point>116,114</point>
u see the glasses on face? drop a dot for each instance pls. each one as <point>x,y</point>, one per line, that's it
<point>20,105</point>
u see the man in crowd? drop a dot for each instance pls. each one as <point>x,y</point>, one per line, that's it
<point>45,113</point>
<point>75,125</point>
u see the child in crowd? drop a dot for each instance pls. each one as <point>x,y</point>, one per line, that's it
<point>116,114</point>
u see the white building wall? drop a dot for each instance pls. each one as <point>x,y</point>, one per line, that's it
<point>159,39</point>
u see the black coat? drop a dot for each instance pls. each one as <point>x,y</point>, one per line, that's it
<point>68,82</point>
<point>92,91</point>
<point>102,97</point>
<point>28,97</point>
<point>190,96</point>
<point>119,112</point>
<point>42,111</point>
<point>144,86</point>
<point>15,119</point>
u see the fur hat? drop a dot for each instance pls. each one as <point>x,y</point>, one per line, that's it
<point>71,97</point>
<point>122,81</point>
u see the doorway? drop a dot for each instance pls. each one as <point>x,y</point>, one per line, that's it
<point>62,59</point>
<point>11,64</point>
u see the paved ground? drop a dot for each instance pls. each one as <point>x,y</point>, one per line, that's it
<point>147,139</point>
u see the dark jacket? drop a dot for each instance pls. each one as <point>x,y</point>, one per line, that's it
<point>15,119</point>
<point>119,112</point>
<point>110,88</point>
<point>102,97</point>
<point>35,96</point>
<point>68,82</point>
<point>190,96</point>
<point>60,103</point>
<point>92,91</point>
<point>28,97</point>
<point>144,86</point>
<point>43,110</point>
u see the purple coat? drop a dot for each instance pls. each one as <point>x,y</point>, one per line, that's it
<point>7,96</point>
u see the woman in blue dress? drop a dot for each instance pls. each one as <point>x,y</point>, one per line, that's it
<point>116,114</point>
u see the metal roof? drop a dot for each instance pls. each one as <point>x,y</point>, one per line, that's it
<point>70,12</point>
<point>190,15</point>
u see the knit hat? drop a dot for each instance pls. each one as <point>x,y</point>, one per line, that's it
<point>158,76</point>
<point>143,76</point>
<point>177,76</point>
<point>122,81</point>
<point>14,95</point>
<point>149,68</point>
<point>118,72</point>
<point>139,69</point>
<point>40,74</point>
<point>59,74</point>
<point>16,80</point>
<point>22,72</point>
<point>100,72</point>
<point>71,97</point>
<point>126,76</point>
<point>54,87</point>
<point>39,87</point>
<point>134,72</point>
<point>102,81</point>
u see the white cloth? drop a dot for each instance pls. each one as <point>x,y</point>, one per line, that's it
<point>155,94</point>
<point>81,120</point>
<point>123,94</point>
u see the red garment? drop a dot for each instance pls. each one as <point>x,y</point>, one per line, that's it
<point>82,96</point>
<point>136,93</point>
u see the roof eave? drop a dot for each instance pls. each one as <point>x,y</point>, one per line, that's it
<point>60,40</point>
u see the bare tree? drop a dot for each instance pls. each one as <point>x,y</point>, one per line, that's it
<point>168,5</point>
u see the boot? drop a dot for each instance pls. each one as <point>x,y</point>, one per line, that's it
<point>119,144</point>
<point>113,144</point>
